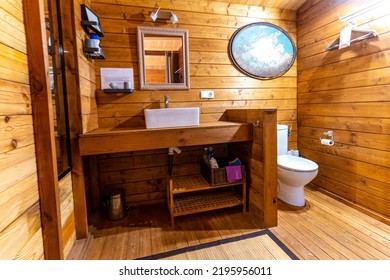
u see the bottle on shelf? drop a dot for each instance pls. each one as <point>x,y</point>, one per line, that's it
<point>213,163</point>
<point>211,152</point>
<point>206,156</point>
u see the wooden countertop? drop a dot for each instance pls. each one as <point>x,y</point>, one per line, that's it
<point>126,139</point>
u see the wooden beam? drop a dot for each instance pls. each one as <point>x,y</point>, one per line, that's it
<point>43,128</point>
<point>263,171</point>
<point>75,121</point>
<point>104,141</point>
<point>270,168</point>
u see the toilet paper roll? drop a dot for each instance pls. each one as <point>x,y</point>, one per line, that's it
<point>327,142</point>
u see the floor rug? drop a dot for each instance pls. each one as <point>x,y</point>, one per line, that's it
<point>261,245</point>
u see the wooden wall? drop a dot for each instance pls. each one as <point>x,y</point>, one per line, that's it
<point>86,74</point>
<point>210,25</point>
<point>67,213</point>
<point>85,87</point>
<point>20,224</point>
<point>346,91</point>
<point>20,218</point>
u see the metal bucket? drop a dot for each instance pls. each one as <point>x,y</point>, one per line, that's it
<point>114,204</point>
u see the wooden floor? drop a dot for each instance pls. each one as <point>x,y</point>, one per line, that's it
<point>324,229</point>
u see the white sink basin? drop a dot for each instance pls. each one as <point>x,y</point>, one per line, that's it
<point>171,117</point>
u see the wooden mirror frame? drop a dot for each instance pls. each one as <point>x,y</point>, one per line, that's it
<point>143,31</point>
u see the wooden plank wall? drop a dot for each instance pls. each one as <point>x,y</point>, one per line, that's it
<point>260,158</point>
<point>143,174</point>
<point>20,221</point>
<point>86,74</point>
<point>20,225</point>
<point>67,213</point>
<point>82,103</point>
<point>346,91</point>
<point>210,25</point>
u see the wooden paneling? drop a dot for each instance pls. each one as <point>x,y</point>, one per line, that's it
<point>80,89</point>
<point>143,174</point>
<point>19,198</point>
<point>346,91</point>
<point>231,7</point>
<point>67,213</point>
<point>22,239</point>
<point>259,156</point>
<point>20,225</point>
<point>210,25</point>
<point>12,26</point>
<point>86,73</point>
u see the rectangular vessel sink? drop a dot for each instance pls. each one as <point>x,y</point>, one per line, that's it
<point>171,117</point>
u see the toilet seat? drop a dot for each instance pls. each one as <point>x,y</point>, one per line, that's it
<point>296,164</point>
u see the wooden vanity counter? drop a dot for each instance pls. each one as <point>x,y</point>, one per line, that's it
<point>125,139</point>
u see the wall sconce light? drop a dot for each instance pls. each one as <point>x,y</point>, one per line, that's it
<point>91,25</point>
<point>157,14</point>
<point>174,18</point>
<point>90,21</point>
<point>154,15</point>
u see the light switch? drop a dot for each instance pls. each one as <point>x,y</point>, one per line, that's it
<point>206,94</point>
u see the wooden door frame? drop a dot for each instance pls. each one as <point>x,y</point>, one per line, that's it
<point>43,123</point>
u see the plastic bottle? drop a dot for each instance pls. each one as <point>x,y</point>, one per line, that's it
<point>206,156</point>
<point>211,153</point>
<point>94,39</point>
<point>213,163</point>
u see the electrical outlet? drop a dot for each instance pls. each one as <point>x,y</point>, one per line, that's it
<point>206,94</point>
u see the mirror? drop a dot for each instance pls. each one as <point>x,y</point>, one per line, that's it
<point>57,85</point>
<point>163,58</point>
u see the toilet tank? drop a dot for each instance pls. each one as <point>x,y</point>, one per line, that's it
<point>282,139</point>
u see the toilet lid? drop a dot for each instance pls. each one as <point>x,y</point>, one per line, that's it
<point>295,163</point>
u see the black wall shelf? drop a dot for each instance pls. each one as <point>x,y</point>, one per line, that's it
<point>117,90</point>
<point>93,53</point>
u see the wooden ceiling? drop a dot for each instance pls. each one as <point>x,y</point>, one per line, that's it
<point>207,4</point>
<point>280,4</point>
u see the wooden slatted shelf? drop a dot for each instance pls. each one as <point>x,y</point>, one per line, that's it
<point>206,201</point>
<point>194,183</point>
<point>193,194</point>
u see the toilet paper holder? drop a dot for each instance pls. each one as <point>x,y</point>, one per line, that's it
<point>328,133</point>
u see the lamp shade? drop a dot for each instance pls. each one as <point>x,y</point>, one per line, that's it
<point>154,15</point>
<point>174,18</point>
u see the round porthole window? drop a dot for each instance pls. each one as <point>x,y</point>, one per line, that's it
<point>262,50</point>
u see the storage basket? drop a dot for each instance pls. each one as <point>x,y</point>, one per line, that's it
<point>216,176</point>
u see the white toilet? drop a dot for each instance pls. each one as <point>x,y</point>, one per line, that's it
<point>293,172</point>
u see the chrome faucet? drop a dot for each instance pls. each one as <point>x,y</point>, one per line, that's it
<point>166,101</point>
